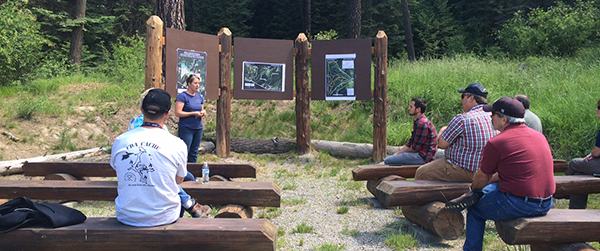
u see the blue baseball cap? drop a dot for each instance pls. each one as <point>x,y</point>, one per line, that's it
<point>475,88</point>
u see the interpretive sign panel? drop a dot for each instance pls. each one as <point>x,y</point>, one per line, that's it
<point>263,69</point>
<point>341,69</point>
<point>191,63</point>
<point>263,77</point>
<point>191,53</point>
<point>339,77</point>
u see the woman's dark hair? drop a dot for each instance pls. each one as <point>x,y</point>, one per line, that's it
<point>190,78</point>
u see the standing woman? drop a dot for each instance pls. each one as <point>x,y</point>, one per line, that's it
<point>189,109</point>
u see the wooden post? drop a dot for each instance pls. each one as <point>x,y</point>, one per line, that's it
<point>154,38</point>
<point>302,96</point>
<point>380,98</point>
<point>224,102</point>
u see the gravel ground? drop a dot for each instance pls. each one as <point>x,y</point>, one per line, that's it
<point>312,192</point>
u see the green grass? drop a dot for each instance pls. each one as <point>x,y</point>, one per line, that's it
<point>400,241</point>
<point>269,213</point>
<point>349,232</point>
<point>330,247</point>
<point>303,228</point>
<point>293,201</point>
<point>343,210</point>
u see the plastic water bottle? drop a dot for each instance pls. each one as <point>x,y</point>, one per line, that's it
<point>205,173</point>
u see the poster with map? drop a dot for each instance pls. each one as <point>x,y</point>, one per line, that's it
<point>263,77</point>
<point>339,76</point>
<point>191,62</point>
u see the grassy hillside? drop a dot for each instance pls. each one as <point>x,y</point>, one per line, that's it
<point>563,94</point>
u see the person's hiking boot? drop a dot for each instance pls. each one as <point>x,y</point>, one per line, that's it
<point>198,211</point>
<point>464,201</point>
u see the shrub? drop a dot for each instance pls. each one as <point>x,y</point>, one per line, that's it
<point>557,31</point>
<point>20,41</point>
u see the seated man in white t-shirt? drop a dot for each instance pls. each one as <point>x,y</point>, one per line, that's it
<point>150,163</point>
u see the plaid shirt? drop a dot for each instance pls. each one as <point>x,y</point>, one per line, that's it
<point>467,134</point>
<point>423,139</point>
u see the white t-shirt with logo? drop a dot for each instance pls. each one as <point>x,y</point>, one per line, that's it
<point>146,161</point>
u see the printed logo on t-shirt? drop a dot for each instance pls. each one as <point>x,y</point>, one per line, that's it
<point>140,164</point>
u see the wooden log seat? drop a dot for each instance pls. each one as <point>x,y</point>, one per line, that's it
<point>421,192</point>
<point>103,169</point>
<point>559,226</point>
<point>260,194</point>
<point>435,219</point>
<point>109,234</point>
<point>376,172</point>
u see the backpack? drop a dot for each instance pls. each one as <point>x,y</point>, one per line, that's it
<point>22,212</point>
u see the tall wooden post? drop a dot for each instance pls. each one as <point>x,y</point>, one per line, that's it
<point>380,98</point>
<point>302,96</point>
<point>154,39</point>
<point>223,129</point>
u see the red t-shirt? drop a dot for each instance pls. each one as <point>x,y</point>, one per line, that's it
<point>523,160</point>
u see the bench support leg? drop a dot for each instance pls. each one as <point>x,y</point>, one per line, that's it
<point>435,219</point>
<point>578,201</point>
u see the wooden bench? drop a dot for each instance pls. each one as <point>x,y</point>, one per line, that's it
<point>421,192</point>
<point>375,174</point>
<point>259,194</point>
<point>109,234</point>
<point>79,170</point>
<point>560,228</point>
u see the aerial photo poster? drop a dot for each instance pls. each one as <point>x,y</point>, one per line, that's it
<point>191,62</point>
<point>339,76</point>
<point>263,77</point>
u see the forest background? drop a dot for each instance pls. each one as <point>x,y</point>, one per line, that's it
<point>546,49</point>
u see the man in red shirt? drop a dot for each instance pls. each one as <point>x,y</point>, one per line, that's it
<point>515,178</point>
<point>422,146</point>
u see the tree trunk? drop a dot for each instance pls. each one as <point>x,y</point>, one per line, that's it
<point>354,19</point>
<point>172,13</point>
<point>308,18</point>
<point>77,33</point>
<point>408,31</point>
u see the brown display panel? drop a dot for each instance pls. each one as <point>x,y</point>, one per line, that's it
<point>179,39</point>
<point>270,51</point>
<point>362,65</point>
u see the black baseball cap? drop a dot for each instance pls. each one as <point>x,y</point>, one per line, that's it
<point>157,101</point>
<point>507,106</point>
<point>475,88</point>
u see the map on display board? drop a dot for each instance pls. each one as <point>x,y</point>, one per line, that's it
<point>339,76</point>
<point>191,62</point>
<point>263,77</point>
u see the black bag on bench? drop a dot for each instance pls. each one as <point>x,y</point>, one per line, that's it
<point>22,212</point>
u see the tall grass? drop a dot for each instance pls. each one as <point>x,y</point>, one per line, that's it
<point>563,94</point>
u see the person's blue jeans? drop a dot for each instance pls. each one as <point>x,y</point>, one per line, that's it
<point>404,159</point>
<point>182,194</point>
<point>192,138</point>
<point>497,206</point>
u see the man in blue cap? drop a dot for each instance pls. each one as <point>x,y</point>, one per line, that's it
<point>463,138</point>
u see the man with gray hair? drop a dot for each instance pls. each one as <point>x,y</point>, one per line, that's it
<point>463,139</point>
<point>515,178</point>
<point>531,120</point>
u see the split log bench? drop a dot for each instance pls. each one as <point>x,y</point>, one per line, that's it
<point>109,234</point>
<point>79,170</point>
<point>375,174</point>
<point>422,201</point>
<point>236,197</point>
<point>421,192</point>
<point>560,229</point>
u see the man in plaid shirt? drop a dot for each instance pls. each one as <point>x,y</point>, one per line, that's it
<point>463,138</point>
<point>422,146</point>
